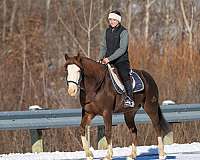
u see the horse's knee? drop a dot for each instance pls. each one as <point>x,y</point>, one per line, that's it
<point>133,130</point>
<point>82,130</point>
<point>108,136</point>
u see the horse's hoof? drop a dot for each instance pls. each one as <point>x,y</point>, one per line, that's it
<point>162,157</point>
<point>130,158</point>
<point>89,155</point>
<point>89,158</point>
<point>106,158</point>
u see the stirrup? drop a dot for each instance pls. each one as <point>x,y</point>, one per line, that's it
<point>129,102</point>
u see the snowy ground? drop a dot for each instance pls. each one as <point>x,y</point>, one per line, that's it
<point>175,151</point>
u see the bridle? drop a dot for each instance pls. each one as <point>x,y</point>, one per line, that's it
<point>76,83</point>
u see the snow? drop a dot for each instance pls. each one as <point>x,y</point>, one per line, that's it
<point>34,107</point>
<point>168,102</point>
<point>174,151</point>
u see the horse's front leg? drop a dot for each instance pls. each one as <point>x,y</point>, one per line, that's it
<point>107,116</point>
<point>86,119</point>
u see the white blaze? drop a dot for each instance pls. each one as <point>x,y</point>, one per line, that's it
<point>73,75</point>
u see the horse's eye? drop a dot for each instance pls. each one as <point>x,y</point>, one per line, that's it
<point>66,72</point>
<point>65,67</point>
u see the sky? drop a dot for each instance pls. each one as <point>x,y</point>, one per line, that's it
<point>174,151</point>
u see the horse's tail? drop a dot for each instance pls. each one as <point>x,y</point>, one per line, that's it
<point>152,86</point>
<point>164,125</point>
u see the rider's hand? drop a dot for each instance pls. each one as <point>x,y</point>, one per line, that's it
<point>105,61</point>
<point>99,60</point>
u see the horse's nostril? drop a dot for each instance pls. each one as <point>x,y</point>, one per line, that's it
<point>72,91</point>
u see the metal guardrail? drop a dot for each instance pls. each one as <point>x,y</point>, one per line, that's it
<point>37,120</point>
<point>59,118</point>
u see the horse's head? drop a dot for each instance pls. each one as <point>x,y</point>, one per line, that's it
<point>73,69</point>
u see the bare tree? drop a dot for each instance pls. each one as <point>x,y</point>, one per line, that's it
<point>189,25</point>
<point>47,14</point>
<point>89,28</point>
<point>23,40</point>
<point>13,16</point>
<point>101,13</point>
<point>86,23</point>
<point>71,33</point>
<point>4,20</point>
<point>129,15</point>
<point>29,5</point>
<point>44,80</point>
<point>147,16</point>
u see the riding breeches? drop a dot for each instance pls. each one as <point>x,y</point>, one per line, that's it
<point>123,69</point>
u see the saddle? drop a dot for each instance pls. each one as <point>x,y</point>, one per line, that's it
<point>137,82</point>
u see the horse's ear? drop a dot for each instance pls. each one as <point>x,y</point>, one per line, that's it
<point>66,56</point>
<point>78,57</point>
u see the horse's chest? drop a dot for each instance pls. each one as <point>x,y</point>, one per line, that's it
<point>96,103</point>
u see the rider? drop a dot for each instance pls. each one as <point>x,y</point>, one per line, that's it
<point>114,50</point>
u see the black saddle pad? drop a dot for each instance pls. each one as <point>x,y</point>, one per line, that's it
<point>139,85</point>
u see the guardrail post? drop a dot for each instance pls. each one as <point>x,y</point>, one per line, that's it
<point>168,139</point>
<point>36,135</point>
<point>102,142</point>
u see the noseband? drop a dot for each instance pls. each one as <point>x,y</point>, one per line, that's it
<point>76,83</point>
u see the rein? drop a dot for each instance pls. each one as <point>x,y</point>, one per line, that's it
<point>102,80</point>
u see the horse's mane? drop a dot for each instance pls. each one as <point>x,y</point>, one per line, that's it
<point>92,66</point>
<point>95,70</point>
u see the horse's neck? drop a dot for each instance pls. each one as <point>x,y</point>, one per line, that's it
<point>94,74</point>
<point>92,69</point>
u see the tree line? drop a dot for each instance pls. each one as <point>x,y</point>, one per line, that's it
<point>35,34</point>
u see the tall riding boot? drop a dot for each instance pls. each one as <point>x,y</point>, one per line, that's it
<point>129,102</point>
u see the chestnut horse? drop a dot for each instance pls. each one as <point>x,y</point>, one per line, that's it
<point>98,97</point>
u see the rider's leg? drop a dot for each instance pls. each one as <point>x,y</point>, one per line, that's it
<point>129,91</point>
<point>123,70</point>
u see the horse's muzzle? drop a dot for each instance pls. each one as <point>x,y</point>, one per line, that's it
<point>72,89</point>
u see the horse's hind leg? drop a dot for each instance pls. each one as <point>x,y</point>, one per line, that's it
<point>129,119</point>
<point>86,119</point>
<point>152,109</point>
<point>107,116</point>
